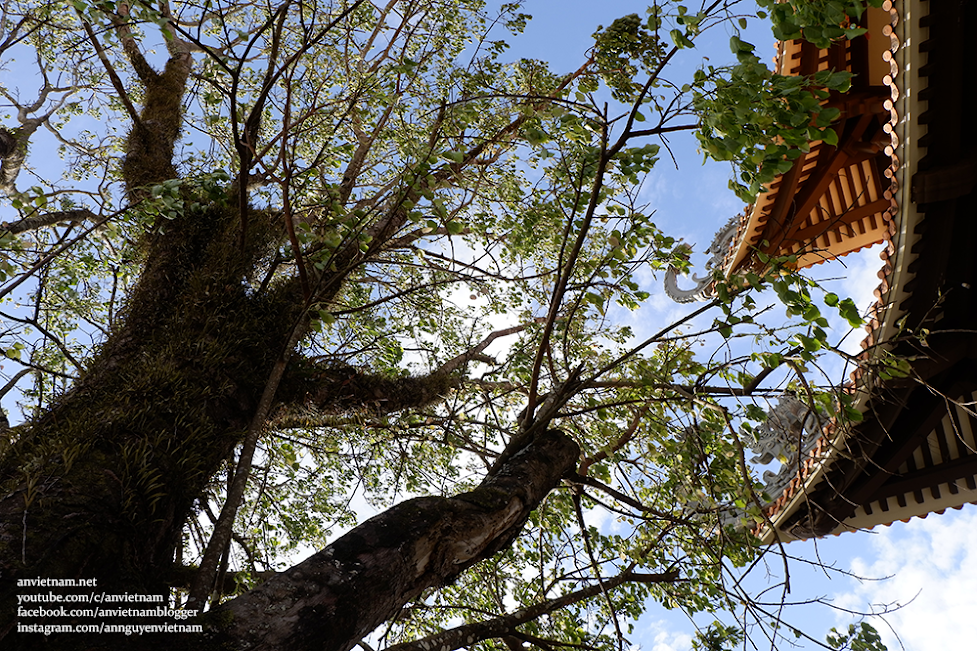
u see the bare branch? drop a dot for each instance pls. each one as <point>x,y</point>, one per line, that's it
<point>14,143</point>
<point>113,75</point>
<point>48,335</point>
<point>203,583</point>
<point>469,634</point>
<point>456,363</point>
<point>55,253</point>
<point>15,36</point>
<point>13,381</point>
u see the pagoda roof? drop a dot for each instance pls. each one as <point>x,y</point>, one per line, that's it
<point>902,174</point>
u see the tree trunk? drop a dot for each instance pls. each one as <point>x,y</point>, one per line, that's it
<point>330,601</point>
<point>101,485</point>
<point>335,598</point>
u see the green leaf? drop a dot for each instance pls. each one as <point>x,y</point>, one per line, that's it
<point>849,312</point>
<point>439,208</point>
<point>680,39</point>
<point>830,137</point>
<point>810,344</point>
<point>830,113</point>
<point>853,414</point>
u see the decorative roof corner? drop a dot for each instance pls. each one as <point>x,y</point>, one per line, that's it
<point>704,285</point>
<point>915,451</point>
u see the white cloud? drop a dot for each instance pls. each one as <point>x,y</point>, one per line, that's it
<point>933,565</point>
<point>661,637</point>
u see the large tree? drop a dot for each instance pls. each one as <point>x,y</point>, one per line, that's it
<point>308,254</point>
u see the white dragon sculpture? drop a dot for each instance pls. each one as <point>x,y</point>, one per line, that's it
<point>703,289</point>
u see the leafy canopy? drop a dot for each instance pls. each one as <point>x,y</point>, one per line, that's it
<point>429,195</point>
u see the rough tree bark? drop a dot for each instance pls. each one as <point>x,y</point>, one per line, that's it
<point>333,599</point>
<point>102,484</point>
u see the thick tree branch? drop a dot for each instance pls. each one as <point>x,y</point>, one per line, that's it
<point>174,44</point>
<point>149,148</point>
<point>35,222</point>
<point>330,388</point>
<point>531,425</point>
<point>343,592</point>
<point>120,21</point>
<point>335,388</point>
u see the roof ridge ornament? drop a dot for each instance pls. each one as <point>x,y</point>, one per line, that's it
<point>703,289</point>
<point>788,435</point>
